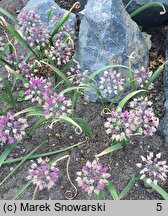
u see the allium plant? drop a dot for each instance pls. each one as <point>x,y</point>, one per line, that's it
<point>141,110</point>
<point>118,125</point>
<point>93,177</point>
<point>76,75</point>
<point>55,105</point>
<point>12,128</point>
<point>40,90</point>
<point>2,44</point>
<point>61,52</point>
<point>43,175</point>
<point>140,119</point>
<point>111,82</point>
<point>142,76</point>
<point>37,88</point>
<point>18,63</point>
<point>33,30</point>
<point>153,168</point>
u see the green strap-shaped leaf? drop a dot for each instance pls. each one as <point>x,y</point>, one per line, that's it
<point>22,162</point>
<point>100,196</point>
<point>16,34</point>
<point>6,152</point>
<point>157,188</point>
<point>46,154</point>
<point>110,187</point>
<point>16,74</point>
<point>129,186</point>
<point>85,126</point>
<point>127,98</point>
<point>154,76</point>
<point>110,150</point>
<point>62,21</point>
<point>10,16</point>
<point>59,73</point>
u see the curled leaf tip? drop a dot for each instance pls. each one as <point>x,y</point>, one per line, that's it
<point>164,10</point>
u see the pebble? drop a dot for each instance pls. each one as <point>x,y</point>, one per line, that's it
<point>11,168</point>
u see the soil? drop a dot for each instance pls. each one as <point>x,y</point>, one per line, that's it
<point>121,164</point>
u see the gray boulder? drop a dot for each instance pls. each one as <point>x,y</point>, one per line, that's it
<point>163,126</point>
<point>41,7</point>
<point>108,36</point>
<point>150,16</point>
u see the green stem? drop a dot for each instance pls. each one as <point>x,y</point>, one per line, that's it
<point>146,6</point>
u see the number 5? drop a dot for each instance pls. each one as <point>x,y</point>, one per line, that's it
<point>159,207</point>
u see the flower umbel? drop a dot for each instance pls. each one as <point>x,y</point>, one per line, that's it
<point>55,105</point>
<point>153,168</point>
<point>111,82</point>
<point>142,76</point>
<point>76,75</point>
<point>143,112</point>
<point>139,120</point>
<point>118,125</point>
<point>12,129</point>
<point>93,177</point>
<point>33,30</point>
<point>37,88</point>
<point>43,175</point>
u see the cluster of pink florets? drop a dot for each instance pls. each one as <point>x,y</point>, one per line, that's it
<point>33,30</point>
<point>93,177</point>
<point>42,174</point>
<point>12,129</point>
<point>40,90</point>
<point>140,119</point>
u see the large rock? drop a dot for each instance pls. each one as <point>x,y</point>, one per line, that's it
<point>150,16</point>
<point>163,126</point>
<point>41,7</point>
<point>108,36</point>
<point>147,18</point>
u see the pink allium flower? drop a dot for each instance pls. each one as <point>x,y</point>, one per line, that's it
<point>61,52</point>
<point>142,110</point>
<point>37,88</point>
<point>93,177</point>
<point>139,120</point>
<point>76,75</point>
<point>19,64</point>
<point>142,76</point>
<point>55,105</point>
<point>119,125</point>
<point>12,129</point>
<point>111,82</point>
<point>33,30</point>
<point>153,168</point>
<point>43,175</point>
